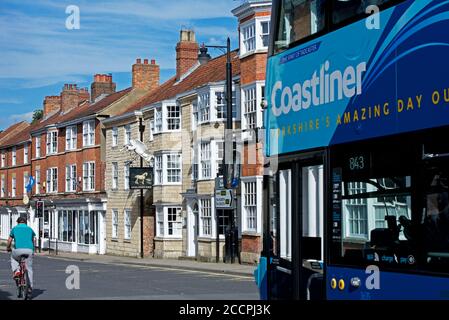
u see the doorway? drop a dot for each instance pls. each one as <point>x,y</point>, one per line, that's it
<point>192,234</point>
<point>297,228</point>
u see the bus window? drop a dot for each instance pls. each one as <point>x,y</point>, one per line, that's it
<point>297,20</point>
<point>347,9</point>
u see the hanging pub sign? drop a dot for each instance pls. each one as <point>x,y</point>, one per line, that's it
<point>141,178</point>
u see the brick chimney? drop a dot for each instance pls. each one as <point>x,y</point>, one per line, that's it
<point>146,76</point>
<point>84,94</point>
<point>52,104</point>
<point>186,52</point>
<point>70,97</point>
<point>102,85</point>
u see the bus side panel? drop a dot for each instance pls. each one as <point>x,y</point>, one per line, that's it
<point>390,285</point>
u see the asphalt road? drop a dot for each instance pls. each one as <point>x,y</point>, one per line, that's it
<point>124,282</point>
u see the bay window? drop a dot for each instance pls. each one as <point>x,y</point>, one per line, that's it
<point>168,168</point>
<point>158,120</point>
<point>248,38</point>
<point>169,222</point>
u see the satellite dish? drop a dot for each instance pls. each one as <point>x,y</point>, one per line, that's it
<point>140,148</point>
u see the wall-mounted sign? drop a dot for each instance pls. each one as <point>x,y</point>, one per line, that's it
<point>141,178</point>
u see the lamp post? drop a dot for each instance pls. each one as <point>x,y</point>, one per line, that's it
<point>227,167</point>
<point>141,131</point>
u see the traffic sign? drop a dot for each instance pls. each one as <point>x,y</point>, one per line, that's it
<point>223,199</point>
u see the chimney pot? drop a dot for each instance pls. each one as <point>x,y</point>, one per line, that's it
<point>139,61</point>
<point>145,61</point>
<point>153,61</point>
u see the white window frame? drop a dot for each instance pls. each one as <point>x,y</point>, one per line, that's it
<point>114,136</point>
<point>52,180</point>
<point>250,205</point>
<point>3,159</point>
<point>205,160</point>
<point>127,224</point>
<point>127,134</point>
<point>164,225</point>
<point>162,169</point>
<point>38,181</point>
<point>13,187</point>
<point>204,108</point>
<point>70,178</point>
<point>38,146</point>
<point>151,132</point>
<point>158,120</point>
<point>173,168</point>
<point>14,156</point>
<point>126,176</point>
<point>261,34</point>
<point>173,122</point>
<point>206,214</point>
<point>114,175</point>
<point>26,177</point>
<point>248,37</point>
<point>26,150</point>
<point>256,88</point>
<point>71,138</point>
<point>114,218</point>
<point>89,176</point>
<point>3,187</point>
<point>89,133</point>
<point>195,115</point>
<point>52,142</point>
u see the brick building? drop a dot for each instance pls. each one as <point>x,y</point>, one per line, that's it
<point>15,169</point>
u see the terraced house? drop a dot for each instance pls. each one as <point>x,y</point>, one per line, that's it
<point>66,155</point>
<point>184,132</point>
<point>15,170</point>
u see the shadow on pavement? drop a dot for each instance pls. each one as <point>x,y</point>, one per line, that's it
<point>5,295</point>
<point>37,293</point>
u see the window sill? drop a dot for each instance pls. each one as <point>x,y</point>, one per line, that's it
<point>249,53</point>
<point>251,233</point>
<point>168,238</point>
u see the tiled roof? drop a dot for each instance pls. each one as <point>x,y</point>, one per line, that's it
<point>12,130</point>
<point>213,71</point>
<point>83,110</point>
<point>22,134</point>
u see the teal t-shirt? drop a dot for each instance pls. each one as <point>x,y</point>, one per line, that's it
<point>23,237</point>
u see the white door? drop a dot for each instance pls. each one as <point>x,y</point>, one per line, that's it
<point>192,231</point>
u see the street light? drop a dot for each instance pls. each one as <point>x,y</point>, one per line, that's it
<point>227,167</point>
<point>141,131</point>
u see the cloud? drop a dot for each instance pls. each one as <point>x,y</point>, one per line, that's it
<point>10,101</point>
<point>37,48</point>
<point>21,117</point>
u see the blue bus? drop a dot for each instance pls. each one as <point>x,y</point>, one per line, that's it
<point>357,141</point>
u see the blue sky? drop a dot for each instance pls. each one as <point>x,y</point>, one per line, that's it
<point>38,54</point>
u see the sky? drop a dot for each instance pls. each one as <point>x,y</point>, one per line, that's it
<point>39,54</point>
